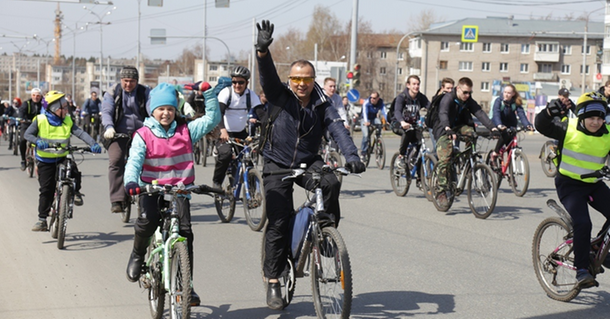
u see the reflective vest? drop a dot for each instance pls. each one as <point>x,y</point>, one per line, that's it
<point>168,160</point>
<point>53,135</point>
<point>582,153</point>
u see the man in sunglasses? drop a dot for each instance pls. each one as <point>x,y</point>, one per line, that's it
<point>299,113</point>
<point>455,117</point>
<point>235,103</point>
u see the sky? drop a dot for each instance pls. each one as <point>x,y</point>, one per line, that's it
<point>234,25</point>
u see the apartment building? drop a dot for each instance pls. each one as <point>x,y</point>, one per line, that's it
<point>509,50</point>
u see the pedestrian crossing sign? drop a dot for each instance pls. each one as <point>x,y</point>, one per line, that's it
<point>470,33</point>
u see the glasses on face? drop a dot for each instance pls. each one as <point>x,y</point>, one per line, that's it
<point>301,79</point>
<point>374,97</point>
<point>238,82</point>
<point>466,92</point>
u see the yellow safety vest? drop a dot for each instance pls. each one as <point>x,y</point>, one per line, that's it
<point>53,135</point>
<point>582,153</point>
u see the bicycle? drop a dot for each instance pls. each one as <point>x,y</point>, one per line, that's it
<point>547,156</point>
<point>315,243</point>
<point>421,159</point>
<point>242,174</point>
<point>30,159</point>
<point>94,126</point>
<point>63,202</point>
<point>468,166</point>
<point>376,146</point>
<point>12,132</point>
<point>167,268</point>
<point>511,163</point>
<point>553,254</point>
<point>331,157</point>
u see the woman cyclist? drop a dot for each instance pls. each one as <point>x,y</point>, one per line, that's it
<point>505,112</point>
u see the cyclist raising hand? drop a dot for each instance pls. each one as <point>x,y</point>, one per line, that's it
<point>585,145</point>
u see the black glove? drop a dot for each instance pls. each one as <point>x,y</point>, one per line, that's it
<point>449,133</point>
<point>554,110</point>
<point>355,167</point>
<point>496,133</point>
<point>265,31</point>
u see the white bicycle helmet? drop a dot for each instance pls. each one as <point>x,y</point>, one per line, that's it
<point>240,71</point>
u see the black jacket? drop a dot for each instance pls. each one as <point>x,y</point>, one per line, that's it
<point>407,109</point>
<point>453,113</point>
<point>297,131</point>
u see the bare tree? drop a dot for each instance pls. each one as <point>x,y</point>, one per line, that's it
<point>423,20</point>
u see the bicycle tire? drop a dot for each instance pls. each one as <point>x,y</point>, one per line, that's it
<point>180,285</point>
<point>53,215</point>
<point>331,275</point>
<point>380,153</point>
<point>30,166</point>
<point>153,283</point>
<point>520,179</point>
<point>126,213</point>
<point>197,153</point>
<point>547,164</point>
<point>482,185</point>
<point>254,208</point>
<point>205,145</point>
<point>425,173</point>
<point>287,279</point>
<point>558,282</point>
<point>399,177</point>
<point>225,204</point>
<point>334,160</point>
<point>62,216</point>
<point>496,167</point>
<point>434,186</point>
<point>16,143</point>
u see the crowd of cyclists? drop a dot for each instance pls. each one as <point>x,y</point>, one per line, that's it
<point>291,118</point>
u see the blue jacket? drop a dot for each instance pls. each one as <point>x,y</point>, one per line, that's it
<point>132,118</point>
<point>508,115</point>
<point>370,110</point>
<point>297,131</point>
<point>90,107</point>
<point>197,128</point>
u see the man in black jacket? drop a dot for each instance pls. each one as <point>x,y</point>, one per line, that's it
<point>294,138</point>
<point>28,111</point>
<point>454,116</point>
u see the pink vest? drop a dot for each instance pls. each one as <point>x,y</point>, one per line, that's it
<point>169,161</point>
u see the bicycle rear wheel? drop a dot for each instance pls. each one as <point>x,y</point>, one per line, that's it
<point>482,191</point>
<point>380,153</point>
<point>197,152</point>
<point>153,283</point>
<point>519,171</point>
<point>254,207</point>
<point>435,186</point>
<point>126,213</point>
<point>548,166</point>
<point>225,204</point>
<point>180,285</point>
<point>205,151</point>
<point>425,173</point>
<point>399,177</point>
<point>331,276</point>
<point>553,257</point>
<point>62,216</point>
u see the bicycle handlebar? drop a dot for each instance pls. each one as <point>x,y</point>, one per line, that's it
<point>70,148</point>
<point>296,172</point>
<point>181,189</point>
<point>603,173</point>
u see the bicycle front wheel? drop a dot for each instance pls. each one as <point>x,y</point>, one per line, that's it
<point>435,186</point>
<point>553,257</point>
<point>399,177</point>
<point>30,165</point>
<point>62,215</point>
<point>334,161</point>
<point>53,214</point>
<point>197,150</point>
<point>546,161</point>
<point>153,282</point>
<point>425,173</point>
<point>254,206</point>
<point>519,170</point>
<point>331,276</point>
<point>204,151</point>
<point>482,191</point>
<point>126,213</point>
<point>225,204</point>
<point>180,285</point>
<point>380,153</point>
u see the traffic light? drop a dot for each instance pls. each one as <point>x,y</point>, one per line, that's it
<point>356,76</point>
<point>350,75</point>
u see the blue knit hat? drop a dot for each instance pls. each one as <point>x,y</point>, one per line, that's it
<point>162,95</point>
<point>592,109</point>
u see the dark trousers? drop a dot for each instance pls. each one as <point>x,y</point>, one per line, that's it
<point>117,151</point>
<point>23,143</point>
<point>225,154</point>
<point>408,137</point>
<point>504,139</point>
<point>47,179</point>
<point>279,206</point>
<point>575,195</point>
<point>150,218</point>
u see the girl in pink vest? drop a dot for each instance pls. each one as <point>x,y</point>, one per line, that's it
<point>162,150</point>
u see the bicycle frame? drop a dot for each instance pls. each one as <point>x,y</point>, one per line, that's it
<point>464,162</point>
<point>421,154</point>
<point>510,158</point>
<point>242,167</point>
<point>376,129</point>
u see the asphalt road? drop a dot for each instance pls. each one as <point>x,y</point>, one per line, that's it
<point>408,260</point>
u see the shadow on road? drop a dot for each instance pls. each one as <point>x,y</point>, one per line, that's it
<point>92,240</point>
<point>596,300</point>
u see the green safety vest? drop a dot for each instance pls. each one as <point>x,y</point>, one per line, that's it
<point>582,153</point>
<point>53,135</point>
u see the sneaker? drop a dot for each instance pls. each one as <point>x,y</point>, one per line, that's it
<point>195,300</point>
<point>584,279</point>
<point>41,225</point>
<point>274,296</point>
<point>22,166</point>
<point>400,162</point>
<point>441,198</point>
<point>418,183</point>
<point>117,207</point>
<point>78,199</point>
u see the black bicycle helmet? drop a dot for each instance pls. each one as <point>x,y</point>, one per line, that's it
<point>240,71</point>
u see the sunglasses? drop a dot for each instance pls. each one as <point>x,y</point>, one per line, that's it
<point>466,92</point>
<point>239,82</point>
<point>299,79</point>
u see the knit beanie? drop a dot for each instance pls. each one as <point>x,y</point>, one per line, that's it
<point>162,95</point>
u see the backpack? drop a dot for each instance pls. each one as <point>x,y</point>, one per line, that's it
<point>267,125</point>
<point>432,114</point>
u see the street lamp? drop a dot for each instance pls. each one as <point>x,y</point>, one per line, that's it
<point>397,53</point>
<point>101,23</point>
<point>74,31</point>
<point>46,58</point>
<point>18,75</point>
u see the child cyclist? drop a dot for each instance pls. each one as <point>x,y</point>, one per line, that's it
<point>162,150</point>
<point>585,145</point>
<point>49,128</point>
